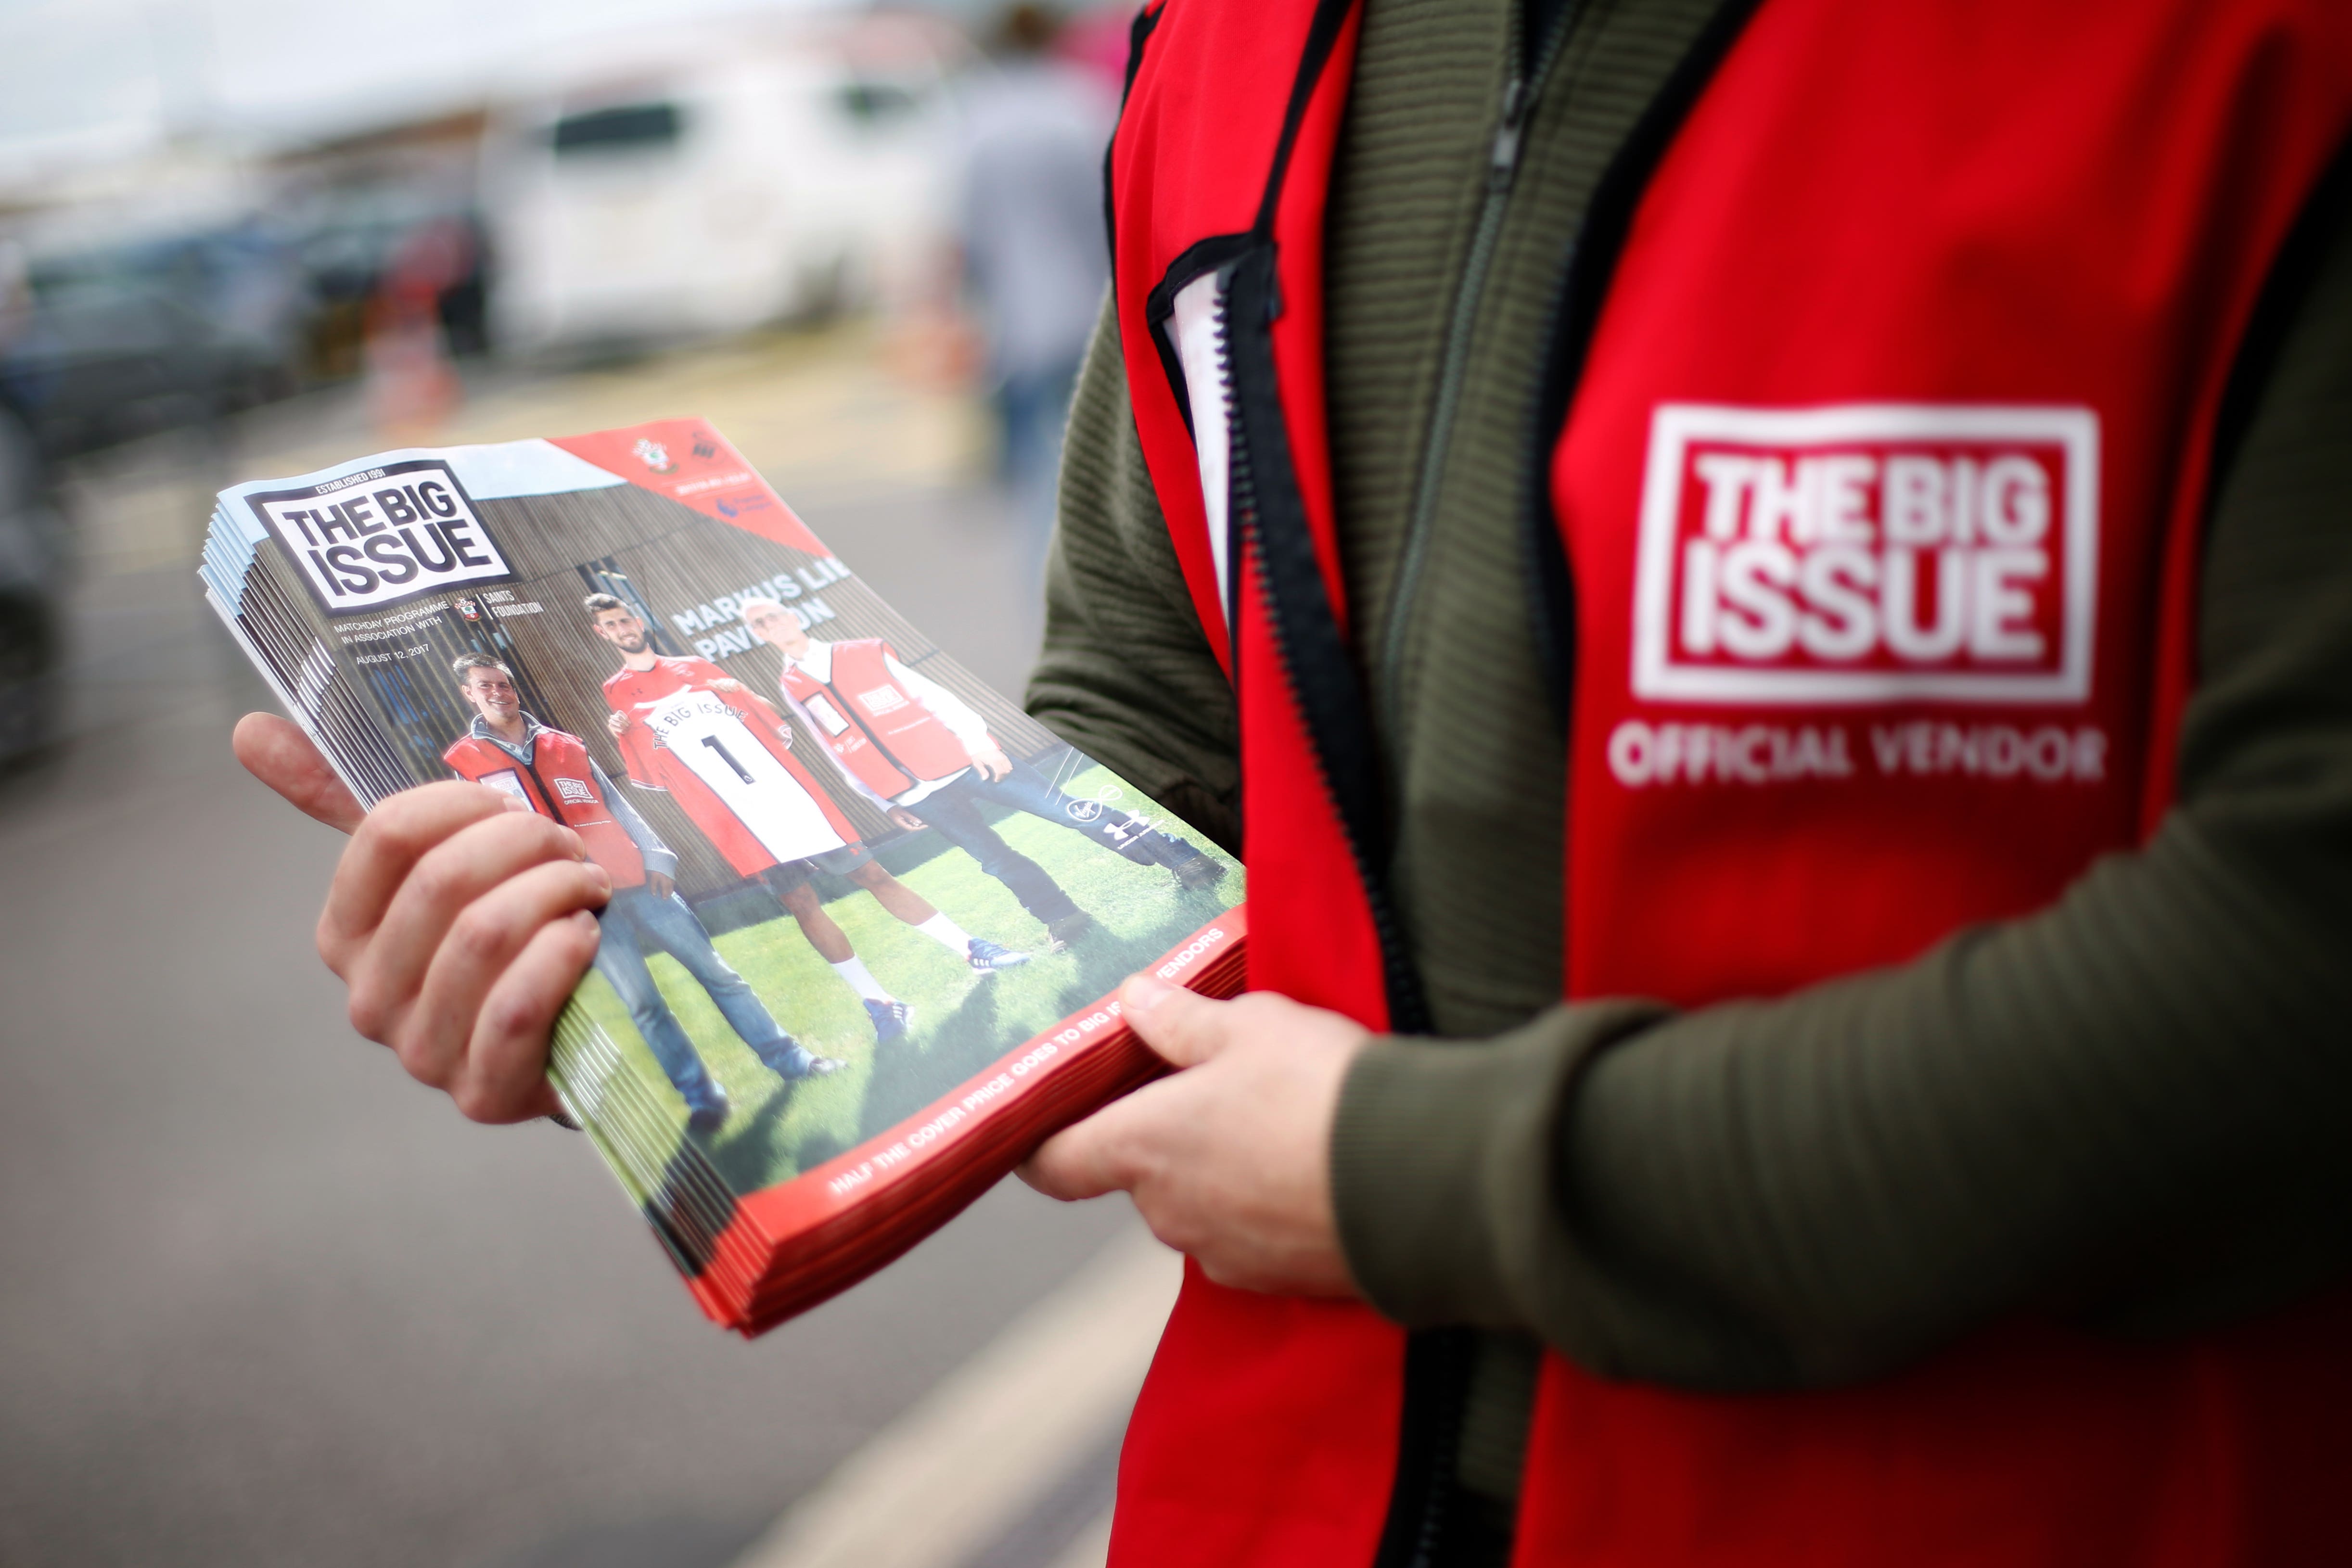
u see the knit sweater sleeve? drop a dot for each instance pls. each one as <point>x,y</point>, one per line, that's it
<point>2133,1108</point>
<point>1127,675</point>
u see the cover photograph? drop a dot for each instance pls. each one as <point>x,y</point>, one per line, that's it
<point>867,916</point>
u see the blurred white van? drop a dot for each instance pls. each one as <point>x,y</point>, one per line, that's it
<point>710,182</point>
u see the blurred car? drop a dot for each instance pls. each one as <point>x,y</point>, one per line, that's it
<point>32,575</point>
<point>715,183</point>
<point>114,342</point>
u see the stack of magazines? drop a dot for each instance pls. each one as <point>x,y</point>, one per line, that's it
<point>867,916</point>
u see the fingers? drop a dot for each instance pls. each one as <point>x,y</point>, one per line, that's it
<point>388,844</point>
<point>505,1073</point>
<point>275,751</point>
<point>493,870</point>
<point>448,882</point>
<point>434,1034</point>
<point>1182,1025</point>
<point>1102,1153</point>
<point>1087,1160</point>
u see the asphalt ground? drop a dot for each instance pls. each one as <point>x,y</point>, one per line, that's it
<point>265,1301</point>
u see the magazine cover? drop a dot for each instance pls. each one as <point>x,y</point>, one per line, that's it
<point>867,915</point>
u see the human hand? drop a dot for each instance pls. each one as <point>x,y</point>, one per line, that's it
<point>275,751</point>
<point>990,758</point>
<point>726,684</point>
<point>458,917</point>
<point>663,886</point>
<point>617,722</point>
<point>908,819</point>
<point>1228,1160</point>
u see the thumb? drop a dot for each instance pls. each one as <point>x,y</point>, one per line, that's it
<point>275,751</point>
<point>1184,1027</point>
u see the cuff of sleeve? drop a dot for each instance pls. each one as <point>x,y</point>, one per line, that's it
<point>1442,1162</point>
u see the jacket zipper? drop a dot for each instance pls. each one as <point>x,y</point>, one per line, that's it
<point>1438,1366</point>
<point>1519,94</point>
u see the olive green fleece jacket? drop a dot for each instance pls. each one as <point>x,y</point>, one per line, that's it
<point>2133,1108</point>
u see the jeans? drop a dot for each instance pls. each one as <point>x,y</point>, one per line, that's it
<point>1035,406</point>
<point>954,810</point>
<point>634,920</point>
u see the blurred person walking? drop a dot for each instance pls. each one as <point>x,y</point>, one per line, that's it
<point>413,386</point>
<point>1030,223</point>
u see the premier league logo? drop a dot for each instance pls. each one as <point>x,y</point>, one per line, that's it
<point>654,455</point>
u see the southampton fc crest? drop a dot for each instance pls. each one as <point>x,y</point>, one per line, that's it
<point>655,456</point>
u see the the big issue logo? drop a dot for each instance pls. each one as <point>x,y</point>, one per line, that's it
<point>383,535</point>
<point>1864,555</point>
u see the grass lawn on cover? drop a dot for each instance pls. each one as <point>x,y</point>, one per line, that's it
<point>962,1020</point>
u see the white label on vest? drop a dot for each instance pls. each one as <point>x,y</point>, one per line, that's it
<point>509,781</point>
<point>881,700</point>
<point>827,716</point>
<point>1867,553</point>
<point>576,790</point>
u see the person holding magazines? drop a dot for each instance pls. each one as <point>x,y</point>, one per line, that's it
<point>904,742</point>
<point>1751,1061</point>
<point>686,727</point>
<point>551,773</point>
<point>812,1190</point>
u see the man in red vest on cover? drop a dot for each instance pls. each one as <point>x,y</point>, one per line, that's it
<point>1766,586</point>
<point>551,772</point>
<point>686,726</point>
<point>920,753</point>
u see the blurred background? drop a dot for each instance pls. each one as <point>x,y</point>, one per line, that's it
<point>261,1300</point>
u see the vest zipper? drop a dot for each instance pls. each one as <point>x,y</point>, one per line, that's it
<point>1519,94</point>
<point>530,767</point>
<point>1267,521</point>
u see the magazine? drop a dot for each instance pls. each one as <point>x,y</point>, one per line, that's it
<point>867,916</point>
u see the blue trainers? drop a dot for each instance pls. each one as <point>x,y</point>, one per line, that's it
<point>987,957</point>
<point>890,1020</point>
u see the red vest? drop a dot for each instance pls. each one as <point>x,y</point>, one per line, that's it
<point>879,729</point>
<point>558,782</point>
<point>1897,360</point>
